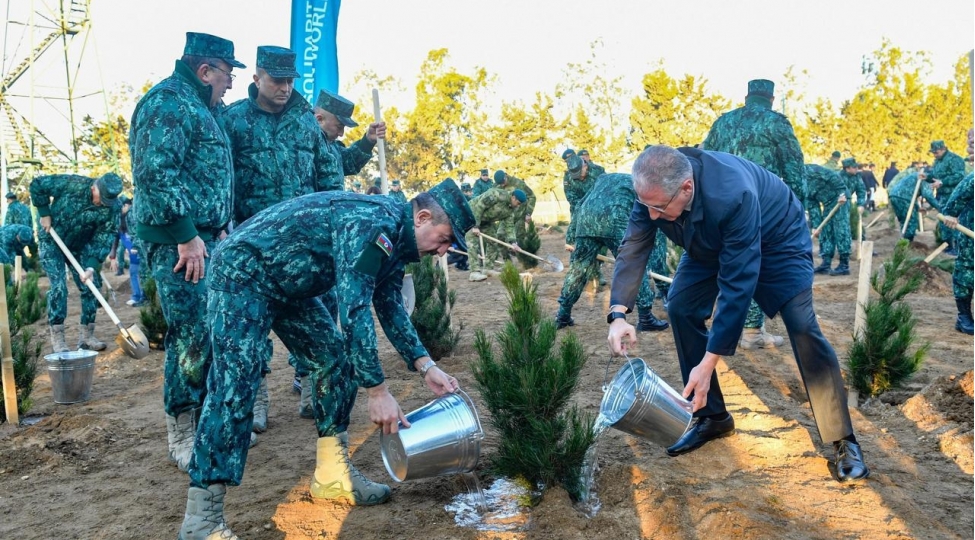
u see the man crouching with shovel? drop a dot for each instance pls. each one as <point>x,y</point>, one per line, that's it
<point>269,275</point>
<point>744,234</point>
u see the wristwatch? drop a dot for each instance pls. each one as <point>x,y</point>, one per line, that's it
<point>613,315</point>
<point>426,367</point>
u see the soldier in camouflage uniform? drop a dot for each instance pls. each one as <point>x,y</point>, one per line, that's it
<point>494,212</point>
<point>578,181</point>
<point>18,213</point>
<point>483,183</point>
<point>83,212</point>
<point>899,196</point>
<point>182,170</point>
<point>959,206</point>
<point>279,153</point>
<point>510,184</point>
<point>763,136</point>
<point>949,168</point>
<point>466,189</point>
<point>600,223</point>
<point>824,189</point>
<point>13,239</point>
<point>396,191</point>
<point>259,284</point>
<point>838,227</point>
<point>334,114</point>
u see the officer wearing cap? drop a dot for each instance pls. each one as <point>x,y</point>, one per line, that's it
<point>483,183</point>
<point>13,239</point>
<point>466,189</point>
<point>949,169</point>
<point>182,169</point>
<point>84,213</point>
<point>833,163</point>
<point>763,136</point>
<point>494,213</point>
<point>396,191</point>
<point>334,114</point>
<point>836,235</point>
<point>18,213</point>
<point>510,184</point>
<point>578,181</point>
<point>259,285</point>
<point>901,193</point>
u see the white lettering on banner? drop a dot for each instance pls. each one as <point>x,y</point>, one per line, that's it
<point>313,35</point>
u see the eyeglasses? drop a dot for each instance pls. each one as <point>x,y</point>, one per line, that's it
<point>229,74</point>
<point>660,210</point>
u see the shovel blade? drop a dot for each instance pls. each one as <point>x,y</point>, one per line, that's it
<point>555,263</point>
<point>409,294</point>
<point>133,341</point>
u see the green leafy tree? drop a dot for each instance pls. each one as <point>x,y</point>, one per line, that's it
<point>527,384</point>
<point>673,112</point>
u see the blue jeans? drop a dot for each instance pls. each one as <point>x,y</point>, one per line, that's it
<point>133,253</point>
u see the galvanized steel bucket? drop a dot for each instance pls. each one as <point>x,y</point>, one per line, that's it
<point>71,374</point>
<point>444,438</point>
<point>640,403</point>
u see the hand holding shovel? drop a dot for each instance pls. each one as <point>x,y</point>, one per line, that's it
<point>952,223</point>
<point>828,217</point>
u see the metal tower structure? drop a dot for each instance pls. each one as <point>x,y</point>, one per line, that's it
<point>43,46</point>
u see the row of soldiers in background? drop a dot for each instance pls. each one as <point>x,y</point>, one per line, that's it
<point>501,207</point>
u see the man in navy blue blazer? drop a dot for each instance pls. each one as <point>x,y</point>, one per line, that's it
<point>744,235</point>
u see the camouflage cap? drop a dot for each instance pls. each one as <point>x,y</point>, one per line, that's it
<point>520,195</point>
<point>10,195</point>
<point>337,105</point>
<point>761,87</point>
<point>849,162</point>
<point>938,145</point>
<point>464,186</point>
<point>485,172</point>
<point>109,186</point>
<point>357,184</point>
<point>836,154</point>
<point>278,62</point>
<point>377,181</point>
<point>583,152</point>
<point>454,203</point>
<point>198,44</point>
<point>500,176</point>
<point>574,164</point>
<point>568,153</point>
<point>394,182</point>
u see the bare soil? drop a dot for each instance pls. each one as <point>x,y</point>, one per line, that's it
<point>99,469</point>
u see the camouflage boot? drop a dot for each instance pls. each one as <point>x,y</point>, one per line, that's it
<point>261,406</point>
<point>336,478</point>
<point>87,339</point>
<point>203,519</point>
<point>57,338</point>
<point>305,408</point>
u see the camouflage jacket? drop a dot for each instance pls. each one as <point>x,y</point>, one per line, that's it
<point>854,186</point>
<point>960,204</point>
<point>517,183</point>
<point>182,167</point>
<point>480,186</point>
<point>352,159</point>
<point>833,164</point>
<point>13,240</point>
<point>398,196</point>
<point>18,214</point>
<point>900,176</point>
<point>355,244</point>
<point>87,230</point>
<point>904,189</point>
<point>950,169</point>
<point>576,192</point>
<point>276,156</point>
<point>605,213</point>
<point>823,186</point>
<point>763,136</point>
<point>494,207</point>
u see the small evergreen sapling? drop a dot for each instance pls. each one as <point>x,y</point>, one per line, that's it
<point>431,316</point>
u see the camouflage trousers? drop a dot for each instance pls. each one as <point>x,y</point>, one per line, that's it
<point>658,264</point>
<point>900,207</point>
<point>55,266</point>
<point>582,264</point>
<point>815,218</point>
<point>331,302</point>
<point>187,339</point>
<point>240,321</point>
<point>835,236</point>
<point>961,278</point>
<point>492,250</point>
<point>942,233</point>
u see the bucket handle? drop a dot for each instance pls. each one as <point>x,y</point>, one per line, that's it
<point>609,362</point>
<point>477,419</point>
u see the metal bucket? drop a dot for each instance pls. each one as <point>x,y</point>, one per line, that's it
<point>71,374</point>
<point>444,438</point>
<point>640,403</point>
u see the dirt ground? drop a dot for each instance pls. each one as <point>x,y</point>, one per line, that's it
<point>99,469</point>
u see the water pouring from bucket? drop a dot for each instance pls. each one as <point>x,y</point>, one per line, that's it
<point>444,438</point>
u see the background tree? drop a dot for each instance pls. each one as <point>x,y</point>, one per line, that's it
<point>674,113</point>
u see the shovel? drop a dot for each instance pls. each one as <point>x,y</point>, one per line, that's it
<point>828,217</point>
<point>132,340</point>
<point>959,227</point>
<point>611,260</point>
<point>111,290</point>
<point>551,261</point>
<point>409,294</point>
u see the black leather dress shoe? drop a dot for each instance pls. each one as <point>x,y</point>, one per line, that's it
<point>849,462</point>
<point>704,430</point>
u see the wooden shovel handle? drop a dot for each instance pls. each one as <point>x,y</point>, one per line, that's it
<point>828,217</point>
<point>378,115</point>
<point>611,260</point>
<point>959,227</point>
<point>90,283</point>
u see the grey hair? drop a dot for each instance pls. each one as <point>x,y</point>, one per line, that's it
<point>195,61</point>
<point>660,166</point>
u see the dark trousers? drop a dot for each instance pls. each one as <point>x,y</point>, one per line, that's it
<point>818,365</point>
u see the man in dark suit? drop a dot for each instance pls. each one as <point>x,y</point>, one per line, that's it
<point>890,173</point>
<point>744,236</point>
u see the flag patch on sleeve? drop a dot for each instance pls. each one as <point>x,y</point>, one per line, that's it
<point>384,244</point>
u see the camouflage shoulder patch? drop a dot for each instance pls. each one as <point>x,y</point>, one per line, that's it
<point>374,254</point>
